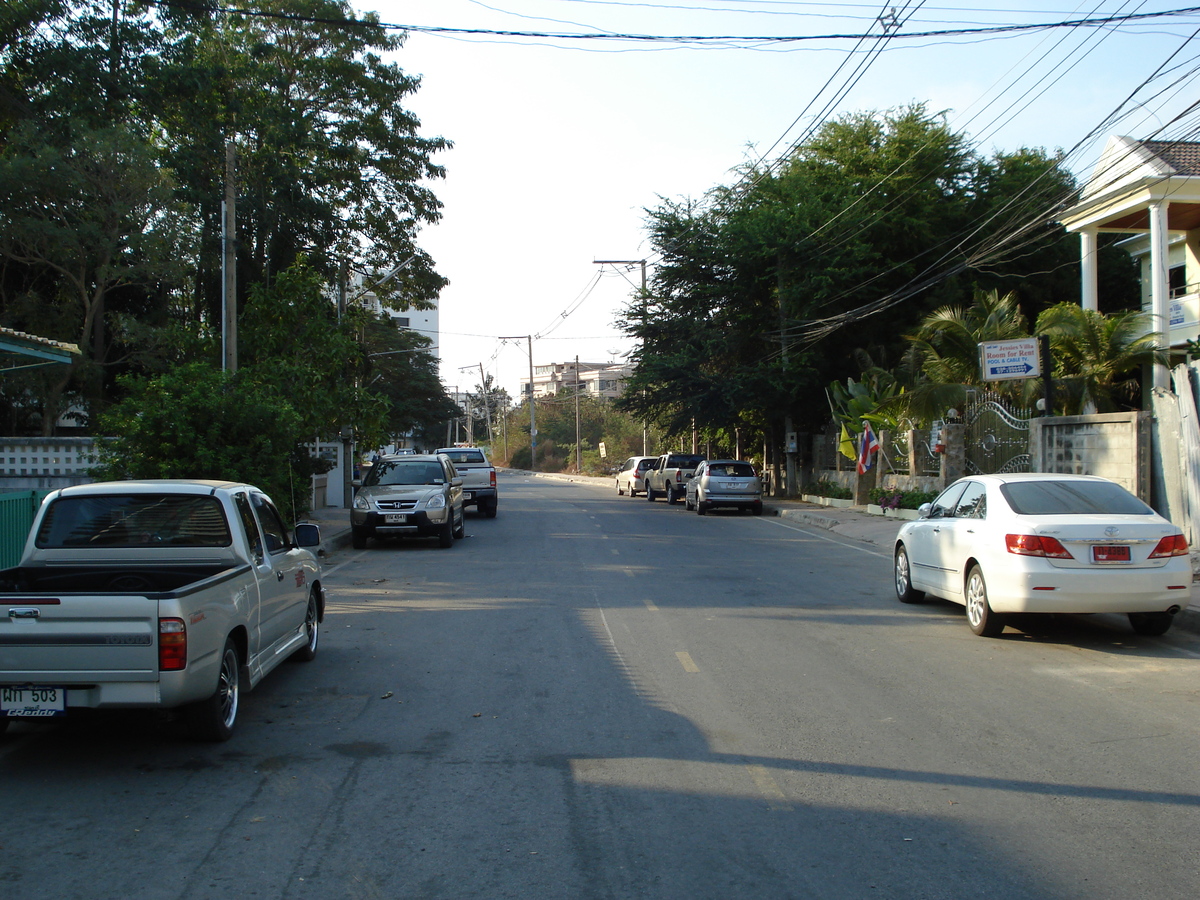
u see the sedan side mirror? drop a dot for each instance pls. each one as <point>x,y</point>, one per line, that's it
<point>924,510</point>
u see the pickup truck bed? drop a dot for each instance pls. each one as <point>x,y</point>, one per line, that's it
<point>479,478</point>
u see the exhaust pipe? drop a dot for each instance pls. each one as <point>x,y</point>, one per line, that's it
<point>1174,609</point>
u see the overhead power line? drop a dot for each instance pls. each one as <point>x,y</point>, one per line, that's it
<point>1108,21</point>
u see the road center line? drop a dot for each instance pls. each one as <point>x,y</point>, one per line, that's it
<point>768,787</point>
<point>685,660</point>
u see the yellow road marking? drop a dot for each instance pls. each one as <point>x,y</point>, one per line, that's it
<point>650,605</point>
<point>767,787</point>
<point>685,660</point>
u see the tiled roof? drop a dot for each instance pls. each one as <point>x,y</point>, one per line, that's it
<point>35,339</point>
<point>1182,156</point>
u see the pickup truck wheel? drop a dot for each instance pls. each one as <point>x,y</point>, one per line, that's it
<point>650,493</point>
<point>489,508</point>
<point>213,719</point>
<point>446,534</point>
<point>312,624</point>
<point>672,497</point>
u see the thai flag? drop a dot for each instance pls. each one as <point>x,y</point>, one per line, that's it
<point>867,448</point>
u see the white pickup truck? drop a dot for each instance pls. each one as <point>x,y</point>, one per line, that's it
<point>479,478</point>
<point>669,475</point>
<point>155,594</point>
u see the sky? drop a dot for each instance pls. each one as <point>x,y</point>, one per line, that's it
<point>561,144</point>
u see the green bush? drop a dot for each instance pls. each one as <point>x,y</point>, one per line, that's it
<point>827,488</point>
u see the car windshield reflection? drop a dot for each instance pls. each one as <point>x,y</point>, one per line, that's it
<point>385,473</point>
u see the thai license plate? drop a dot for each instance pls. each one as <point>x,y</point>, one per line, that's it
<point>395,519</point>
<point>33,701</point>
<point>1103,554</point>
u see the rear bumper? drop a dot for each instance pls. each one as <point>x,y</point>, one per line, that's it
<point>1105,591</point>
<point>473,496</point>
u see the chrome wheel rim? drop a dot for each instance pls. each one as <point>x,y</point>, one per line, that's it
<point>227,688</point>
<point>976,601</point>
<point>901,573</point>
<point>310,623</point>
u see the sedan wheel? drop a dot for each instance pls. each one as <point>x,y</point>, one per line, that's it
<point>620,490</point>
<point>904,588</point>
<point>980,617</point>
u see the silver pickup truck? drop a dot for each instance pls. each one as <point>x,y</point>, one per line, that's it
<point>155,594</point>
<point>479,478</point>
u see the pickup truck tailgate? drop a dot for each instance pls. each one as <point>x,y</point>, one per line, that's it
<point>74,639</point>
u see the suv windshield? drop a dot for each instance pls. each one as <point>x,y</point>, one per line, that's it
<point>1066,498</point>
<point>387,471</point>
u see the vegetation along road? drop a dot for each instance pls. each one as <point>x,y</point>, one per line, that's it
<point>598,697</point>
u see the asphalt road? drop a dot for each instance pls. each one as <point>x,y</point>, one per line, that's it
<point>599,697</point>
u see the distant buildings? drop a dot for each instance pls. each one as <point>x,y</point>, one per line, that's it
<point>605,380</point>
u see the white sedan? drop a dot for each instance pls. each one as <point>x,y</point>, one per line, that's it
<point>1044,543</point>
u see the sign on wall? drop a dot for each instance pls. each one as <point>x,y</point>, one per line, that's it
<point>1005,360</point>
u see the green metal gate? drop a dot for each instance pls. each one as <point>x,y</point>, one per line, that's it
<point>17,509</point>
<point>997,435</point>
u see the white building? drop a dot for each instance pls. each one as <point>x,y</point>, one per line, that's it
<point>605,380</point>
<point>424,321</point>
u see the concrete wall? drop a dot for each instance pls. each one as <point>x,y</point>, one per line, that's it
<point>1114,445</point>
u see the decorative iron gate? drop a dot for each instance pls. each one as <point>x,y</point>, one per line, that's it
<point>997,435</point>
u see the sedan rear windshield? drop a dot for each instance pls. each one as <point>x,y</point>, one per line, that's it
<point>1067,498</point>
<point>137,520</point>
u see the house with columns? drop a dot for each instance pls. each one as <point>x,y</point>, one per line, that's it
<point>1149,190</point>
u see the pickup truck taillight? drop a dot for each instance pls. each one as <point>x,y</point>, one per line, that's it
<point>493,474</point>
<point>172,645</point>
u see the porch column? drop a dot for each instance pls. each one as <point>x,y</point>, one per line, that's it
<point>1159,292</point>
<point>1087,269</point>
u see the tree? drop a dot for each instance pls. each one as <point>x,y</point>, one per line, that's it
<point>1098,358</point>
<point>86,221</point>
<point>198,422</point>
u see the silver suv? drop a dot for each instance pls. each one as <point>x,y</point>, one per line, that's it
<point>409,496</point>
<point>724,482</point>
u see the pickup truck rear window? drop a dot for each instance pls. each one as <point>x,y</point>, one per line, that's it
<point>681,461</point>
<point>134,520</point>
<point>465,456</point>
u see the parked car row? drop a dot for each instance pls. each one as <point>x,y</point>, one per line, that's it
<point>701,484</point>
<point>422,495</point>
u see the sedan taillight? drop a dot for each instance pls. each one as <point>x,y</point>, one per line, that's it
<point>1171,545</point>
<point>1036,545</point>
<point>172,645</point>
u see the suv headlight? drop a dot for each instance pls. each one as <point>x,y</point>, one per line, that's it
<point>360,502</point>
<point>437,501</point>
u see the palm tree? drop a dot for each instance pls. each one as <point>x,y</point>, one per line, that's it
<point>946,346</point>
<point>1098,358</point>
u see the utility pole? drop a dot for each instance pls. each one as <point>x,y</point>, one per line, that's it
<point>578,446</point>
<point>532,419</point>
<point>487,408</point>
